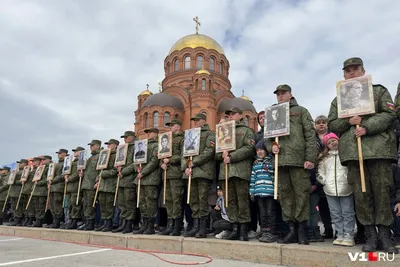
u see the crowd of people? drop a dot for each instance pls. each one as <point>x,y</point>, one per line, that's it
<point>319,179</point>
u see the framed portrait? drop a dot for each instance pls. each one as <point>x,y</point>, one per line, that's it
<point>355,97</point>
<point>165,145</point>
<point>122,152</point>
<point>140,153</point>
<point>38,173</point>
<point>191,144</point>
<point>102,162</point>
<point>277,120</point>
<point>82,158</point>
<point>225,137</point>
<point>67,165</point>
<point>11,178</point>
<point>51,171</point>
<point>25,173</point>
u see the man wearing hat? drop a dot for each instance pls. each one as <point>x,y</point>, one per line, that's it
<point>26,192</point>
<point>127,188</point>
<point>150,175</point>
<point>88,189</point>
<point>56,187</point>
<point>379,151</point>
<point>174,190</point>
<point>202,170</point>
<point>297,154</point>
<point>107,188</point>
<point>14,194</point>
<point>3,190</point>
<point>240,162</point>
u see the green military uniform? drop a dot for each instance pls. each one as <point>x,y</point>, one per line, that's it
<point>127,190</point>
<point>26,192</point>
<point>40,196</point>
<point>14,194</point>
<point>203,173</point>
<point>239,170</point>
<point>3,194</point>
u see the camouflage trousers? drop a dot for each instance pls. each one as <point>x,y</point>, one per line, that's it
<point>373,206</point>
<point>75,210</point>
<point>148,201</point>
<point>88,211</point>
<point>127,202</point>
<point>106,201</point>
<point>238,210</point>
<point>1,209</point>
<point>30,212</point>
<point>18,213</point>
<point>56,204</point>
<point>40,206</point>
<point>174,197</point>
<point>294,193</point>
<point>199,197</point>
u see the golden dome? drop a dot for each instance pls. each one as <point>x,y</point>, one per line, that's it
<point>196,40</point>
<point>245,98</point>
<point>146,92</point>
<point>202,71</point>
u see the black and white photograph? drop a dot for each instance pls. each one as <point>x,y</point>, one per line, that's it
<point>11,178</point>
<point>67,165</point>
<point>140,155</point>
<point>122,151</point>
<point>165,145</point>
<point>38,173</point>
<point>25,173</point>
<point>355,97</point>
<point>51,171</point>
<point>192,142</point>
<point>81,160</point>
<point>102,162</point>
<point>277,120</point>
<point>225,137</point>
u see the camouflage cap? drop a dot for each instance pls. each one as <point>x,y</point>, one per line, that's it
<point>62,150</point>
<point>47,157</point>
<point>199,116</point>
<point>283,87</point>
<point>352,62</point>
<point>95,142</point>
<point>128,133</point>
<point>6,168</point>
<point>112,141</point>
<point>23,161</point>
<point>37,159</point>
<point>78,148</point>
<point>234,110</point>
<point>152,130</point>
<point>174,121</point>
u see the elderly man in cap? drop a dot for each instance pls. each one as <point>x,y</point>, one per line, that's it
<point>202,169</point>
<point>150,175</point>
<point>174,190</point>
<point>107,188</point>
<point>14,194</point>
<point>297,154</point>
<point>127,188</point>
<point>29,213</point>
<point>88,189</point>
<point>3,190</point>
<point>240,163</point>
<point>379,151</point>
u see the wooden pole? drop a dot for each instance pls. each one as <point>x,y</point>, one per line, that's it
<point>189,182</point>
<point>276,171</point>
<point>79,187</point>
<point>5,202</point>
<point>97,189</point>
<point>19,197</point>
<point>116,189</point>
<point>361,161</point>
<point>30,197</point>
<point>226,183</point>
<point>47,200</point>
<point>65,193</point>
<point>165,185</point>
<point>138,189</point>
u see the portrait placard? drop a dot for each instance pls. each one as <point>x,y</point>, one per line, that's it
<point>11,178</point>
<point>355,97</point>
<point>277,120</point>
<point>140,153</point>
<point>67,165</point>
<point>82,160</point>
<point>225,136</point>
<point>122,152</point>
<point>191,145</point>
<point>102,162</point>
<point>51,171</point>
<point>25,173</point>
<point>165,145</point>
<point>38,173</point>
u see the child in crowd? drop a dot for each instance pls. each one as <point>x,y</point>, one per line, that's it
<point>262,191</point>
<point>333,176</point>
<point>221,221</point>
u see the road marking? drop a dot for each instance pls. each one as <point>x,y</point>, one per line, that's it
<point>6,240</point>
<point>54,257</point>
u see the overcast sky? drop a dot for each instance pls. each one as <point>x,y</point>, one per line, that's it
<point>70,71</point>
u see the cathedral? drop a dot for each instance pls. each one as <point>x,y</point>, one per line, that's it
<point>196,81</point>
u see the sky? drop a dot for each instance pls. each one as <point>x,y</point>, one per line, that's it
<point>70,71</point>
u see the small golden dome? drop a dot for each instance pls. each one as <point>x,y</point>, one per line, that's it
<point>202,71</point>
<point>245,98</point>
<point>146,92</point>
<point>196,40</point>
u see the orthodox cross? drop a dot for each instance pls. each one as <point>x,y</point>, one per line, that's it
<point>242,92</point>
<point>159,87</point>
<point>147,85</point>
<point>196,19</point>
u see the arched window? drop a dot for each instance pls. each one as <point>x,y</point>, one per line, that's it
<point>221,68</point>
<point>176,65</point>
<point>212,64</point>
<point>187,63</point>
<point>166,118</point>
<point>203,84</point>
<point>199,62</point>
<point>146,120</point>
<point>155,119</point>
<point>246,120</point>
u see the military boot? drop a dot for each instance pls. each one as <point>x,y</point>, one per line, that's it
<point>302,234</point>
<point>202,233</point>
<point>30,222</point>
<point>38,223</point>
<point>372,239</point>
<point>150,227</point>
<point>243,232</point>
<point>90,225</point>
<point>108,226</point>
<point>15,222</point>
<point>98,229</point>
<point>20,221</point>
<point>291,236</point>
<point>128,227</point>
<point>55,224</point>
<point>73,224</point>
<point>194,229</point>
<point>142,228</point>
<point>169,228</point>
<point>177,227</point>
<point>25,223</point>
<point>234,234</point>
<point>121,227</point>
<point>385,243</point>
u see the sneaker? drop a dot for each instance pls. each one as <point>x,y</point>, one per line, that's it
<point>251,234</point>
<point>348,241</point>
<point>338,241</point>
<point>222,235</point>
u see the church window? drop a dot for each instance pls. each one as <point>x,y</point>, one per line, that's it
<point>203,84</point>
<point>221,68</point>
<point>155,119</point>
<point>146,120</point>
<point>176,65</point>
<point>187,63</point>
<point>212,64</point>
<point>199,62</point>
<point>166,118</point>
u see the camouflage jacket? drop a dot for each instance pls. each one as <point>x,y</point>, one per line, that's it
<point>151,172</point>
<point>299,146</point>
<point>109,175</point>
<point>57,184</point>
<point>16,187</point>
<point>128,171</point>
<point>174,166</point>
<point>29,184</point>
<point>380,140</point>
<point>397,101</point>
<point>41,185</point>
<point>73,178</point>
<point>204,163</point>
<point>89,179</point>
<point>3,187</point>
<point>242,157</point>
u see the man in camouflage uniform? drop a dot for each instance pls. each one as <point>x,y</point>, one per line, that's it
<point>174,190</point>
<point>56,187</point>
<point>107,188</point>
<point>14,194</point>
<point>297,155</point>
<point>202,170</point>
<point>127,188</point>
<point>3,190</point>
<point>150,176</point>
<point>88,189</point>
<point>379,151</point>
<point>26,192</point>
<point>239,162</point>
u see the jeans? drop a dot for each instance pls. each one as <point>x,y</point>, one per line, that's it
<point>314,214</point>
<point>66,209</point>
<point>342,214</point>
